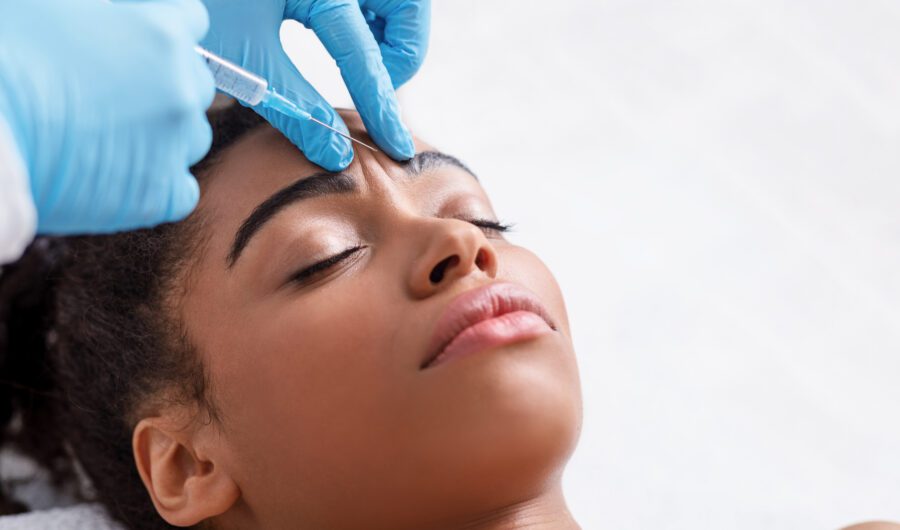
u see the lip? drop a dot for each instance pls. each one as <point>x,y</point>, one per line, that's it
<point>489,316</point>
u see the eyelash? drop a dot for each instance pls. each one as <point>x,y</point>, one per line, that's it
<point>487,225</point>
<point>322,266</point>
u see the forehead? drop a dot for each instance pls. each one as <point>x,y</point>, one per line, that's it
<point>263,161</point>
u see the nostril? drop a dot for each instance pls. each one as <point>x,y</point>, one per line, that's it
<point>481,259</point>
<point>437,273</point>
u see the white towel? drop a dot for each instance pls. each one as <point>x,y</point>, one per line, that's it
<point>78,517</point>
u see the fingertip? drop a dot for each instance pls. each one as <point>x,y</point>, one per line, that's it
<point>397,142</point>
<point>409,148</point>
<point>339,148</point>
<point>321,145</point>
<point>345,152</point>
<point>403,152</point>
<point>335,155</point>
<point>184,198</point>
<point>383,121</point>
<point>201,139</point>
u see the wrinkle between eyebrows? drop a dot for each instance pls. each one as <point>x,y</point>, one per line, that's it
<point>315,185</point>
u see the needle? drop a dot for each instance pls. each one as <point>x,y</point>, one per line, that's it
<point>347,136</point>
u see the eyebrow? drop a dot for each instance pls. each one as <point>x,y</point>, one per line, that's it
<point>321,184</point>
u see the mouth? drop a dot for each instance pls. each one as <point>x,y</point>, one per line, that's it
<point>487,317</point>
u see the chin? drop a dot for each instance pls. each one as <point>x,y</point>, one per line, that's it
<point>509,419</point>
<point>529,401</point>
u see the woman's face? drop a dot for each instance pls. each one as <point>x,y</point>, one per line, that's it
<point>315,316</point>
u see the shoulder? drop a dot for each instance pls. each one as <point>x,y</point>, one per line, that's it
<point>874,525</point>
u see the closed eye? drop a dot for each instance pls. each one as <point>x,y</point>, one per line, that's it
<point>490,226</point>
<point>320,267</point>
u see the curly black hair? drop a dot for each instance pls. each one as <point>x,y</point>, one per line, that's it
<point>88,336</point>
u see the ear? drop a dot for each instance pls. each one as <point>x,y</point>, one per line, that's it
<point>185,485</point>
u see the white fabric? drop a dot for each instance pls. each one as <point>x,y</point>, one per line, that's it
<point>79,517</point>
<point>18,217</point>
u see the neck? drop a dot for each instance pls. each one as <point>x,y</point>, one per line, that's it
<point>547,511</point>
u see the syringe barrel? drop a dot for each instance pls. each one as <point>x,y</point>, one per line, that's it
<point>234,80</point>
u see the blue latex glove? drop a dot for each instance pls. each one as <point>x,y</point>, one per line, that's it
<point>377,44</point>
<point>107,104</point>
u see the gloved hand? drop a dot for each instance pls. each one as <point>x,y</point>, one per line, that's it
<point>106,101</point>
<point>377,44</point>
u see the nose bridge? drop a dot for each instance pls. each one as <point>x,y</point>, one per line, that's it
<point>461,237</point>
<point>451,249</point>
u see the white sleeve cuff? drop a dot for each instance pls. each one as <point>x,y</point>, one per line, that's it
<point>18,217</point>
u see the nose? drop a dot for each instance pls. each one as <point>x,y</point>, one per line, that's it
<point>454,249</point>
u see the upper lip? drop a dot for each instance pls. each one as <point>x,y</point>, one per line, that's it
<point>477,305</point>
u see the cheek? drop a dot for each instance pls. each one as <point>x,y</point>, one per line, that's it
<point>306,380</point>
<point>309,358</point>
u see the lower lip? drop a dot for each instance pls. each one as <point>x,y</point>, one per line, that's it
<point>505,329</point>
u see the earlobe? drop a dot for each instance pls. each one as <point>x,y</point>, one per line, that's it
<point>186,486</point>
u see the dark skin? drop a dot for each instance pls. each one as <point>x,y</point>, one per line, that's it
<point>326,418</point>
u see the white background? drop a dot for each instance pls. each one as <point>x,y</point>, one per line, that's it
<point>716,185</point>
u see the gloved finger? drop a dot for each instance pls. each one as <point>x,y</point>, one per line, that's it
<point>404,26</point>
<point>320,145</point>
<point>169,194</point>
<point>191,13</point>
<point>199,138</point>
<point>184,193</point>
<point>344,33</point>
<point>375,22</point>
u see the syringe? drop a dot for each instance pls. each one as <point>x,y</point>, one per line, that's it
<point>253,90</point>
